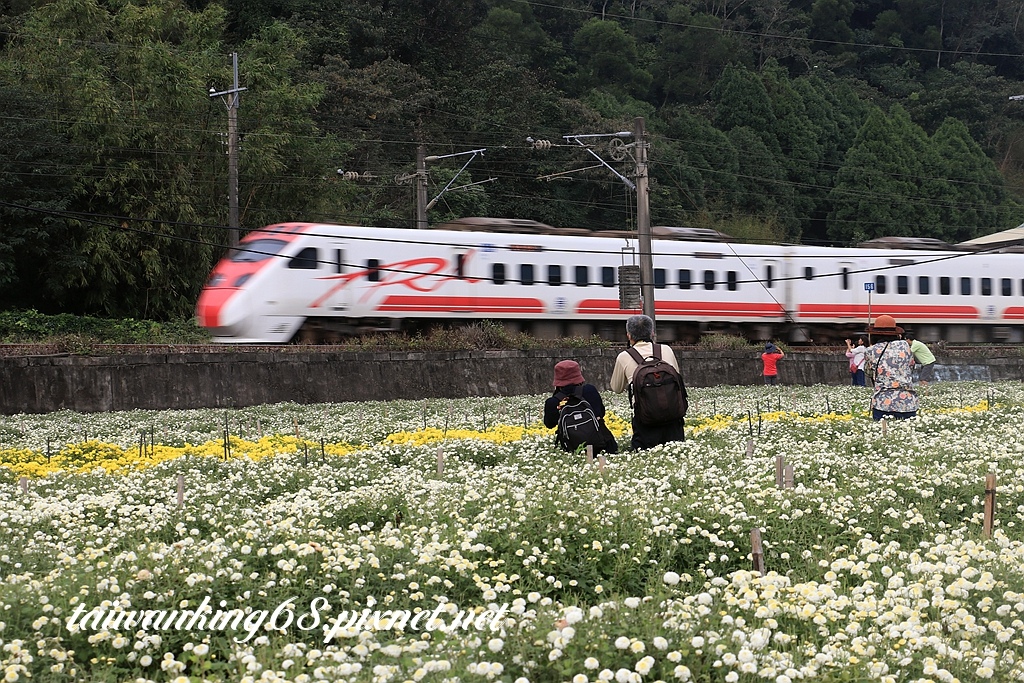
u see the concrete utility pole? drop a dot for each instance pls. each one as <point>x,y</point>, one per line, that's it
<point>421,188</point>
<point>643,218</point>
<point>627,291</point>
<point>232,101</point>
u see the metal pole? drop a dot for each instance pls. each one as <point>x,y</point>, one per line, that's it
<point>233,101</point>
<point>643,219</point>
<point>868,328</point>
<point>421,188</point>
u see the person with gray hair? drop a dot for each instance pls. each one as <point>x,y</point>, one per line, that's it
<point>639,328</point>
<point>640,333</point>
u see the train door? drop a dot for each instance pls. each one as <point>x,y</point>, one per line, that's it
<point>457,285</point>
<point>852,299</point>
<point>339,294</point>
<point>296,289</point>
<point>773,283</point>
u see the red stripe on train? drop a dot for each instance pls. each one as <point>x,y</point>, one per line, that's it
<point>461,304</point>
<point>1014,313</point>
<point>687,308</point>
<point>906,312</point>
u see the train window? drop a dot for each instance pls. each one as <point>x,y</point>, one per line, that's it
<point>944,286</point>
<point>256,250</point>
<point>373,270</point>
<point>902,284</point>
<point>924,285</point>
<point>526,274</point>
<point>582,276</point>
<point>808,273</point>
<point>607,276</point>
<point>768,276</point>
<point>1006,286</point>
<point>498,273</point>
<point>659,278</point>
<point>304,260</point>
<point>986,286</point>
<point>684,279</point>
<point>460,266</point>
<point>846,278</point>
<point>732,280</point>
<point>965,286</point>
<point>709,279</point>
<point>339,261</point>
<point>554,275</point>
<point>879,284</point>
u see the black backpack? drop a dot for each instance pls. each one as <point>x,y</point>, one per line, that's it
<point>657,393</point>
<point>577,424</point>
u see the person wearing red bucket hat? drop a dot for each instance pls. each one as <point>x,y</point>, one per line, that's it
<point>890,362</point>
<point>571,388</point>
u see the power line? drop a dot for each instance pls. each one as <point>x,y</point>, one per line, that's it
<point>425,242</point>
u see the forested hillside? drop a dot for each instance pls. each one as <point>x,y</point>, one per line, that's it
<point>824,121</point>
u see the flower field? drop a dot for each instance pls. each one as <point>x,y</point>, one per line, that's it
<point>517,562</point>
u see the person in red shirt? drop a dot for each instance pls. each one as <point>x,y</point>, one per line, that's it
<point>771,356</point>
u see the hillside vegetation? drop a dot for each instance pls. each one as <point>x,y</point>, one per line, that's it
<point>826,121</point>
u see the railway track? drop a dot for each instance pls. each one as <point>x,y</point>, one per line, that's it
<point>61,349</point>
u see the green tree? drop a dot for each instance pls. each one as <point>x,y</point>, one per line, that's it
<point>690,55</point>
<point>287,164</point>
<point>740,99</point>
<point>36,173</point>
<point>133,84</point>
<point>974,202</point>
<point>888,184</point>
<point>836,114</point>
<point>775,28</point>
<point>802,140</point>
<point>830,22</point>
<point>762,189</point>
<point>695,166</point>
<point>149,170</point>
<point>966,91</point>
<point>524,41</point>
<point>608,59</point>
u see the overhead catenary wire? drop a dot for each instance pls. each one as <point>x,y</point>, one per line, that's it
<point>122,225</point>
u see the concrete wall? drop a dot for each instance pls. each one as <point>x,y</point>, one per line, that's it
<point>40,384</point>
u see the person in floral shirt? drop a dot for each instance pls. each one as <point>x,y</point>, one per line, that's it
<point>890,365</point>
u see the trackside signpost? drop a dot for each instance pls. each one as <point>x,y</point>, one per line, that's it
<point>869,287</point>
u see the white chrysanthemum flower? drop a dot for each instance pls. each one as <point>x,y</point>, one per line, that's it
<point>573,615</point>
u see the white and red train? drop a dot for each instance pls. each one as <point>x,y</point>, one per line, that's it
<point>315,282</point>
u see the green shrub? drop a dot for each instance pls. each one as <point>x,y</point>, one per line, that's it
<point>80,332</point>
<point>723,342</point>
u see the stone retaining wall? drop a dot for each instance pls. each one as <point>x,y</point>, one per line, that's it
<point>40,384</point>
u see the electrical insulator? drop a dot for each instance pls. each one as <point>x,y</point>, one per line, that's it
<point>629,287</point>
<point>542,144</point>
<point>350,175</point>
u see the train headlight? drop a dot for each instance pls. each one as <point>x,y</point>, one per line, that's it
<point>242,279</point>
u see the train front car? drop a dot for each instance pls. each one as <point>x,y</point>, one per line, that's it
<point>237,303</point>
